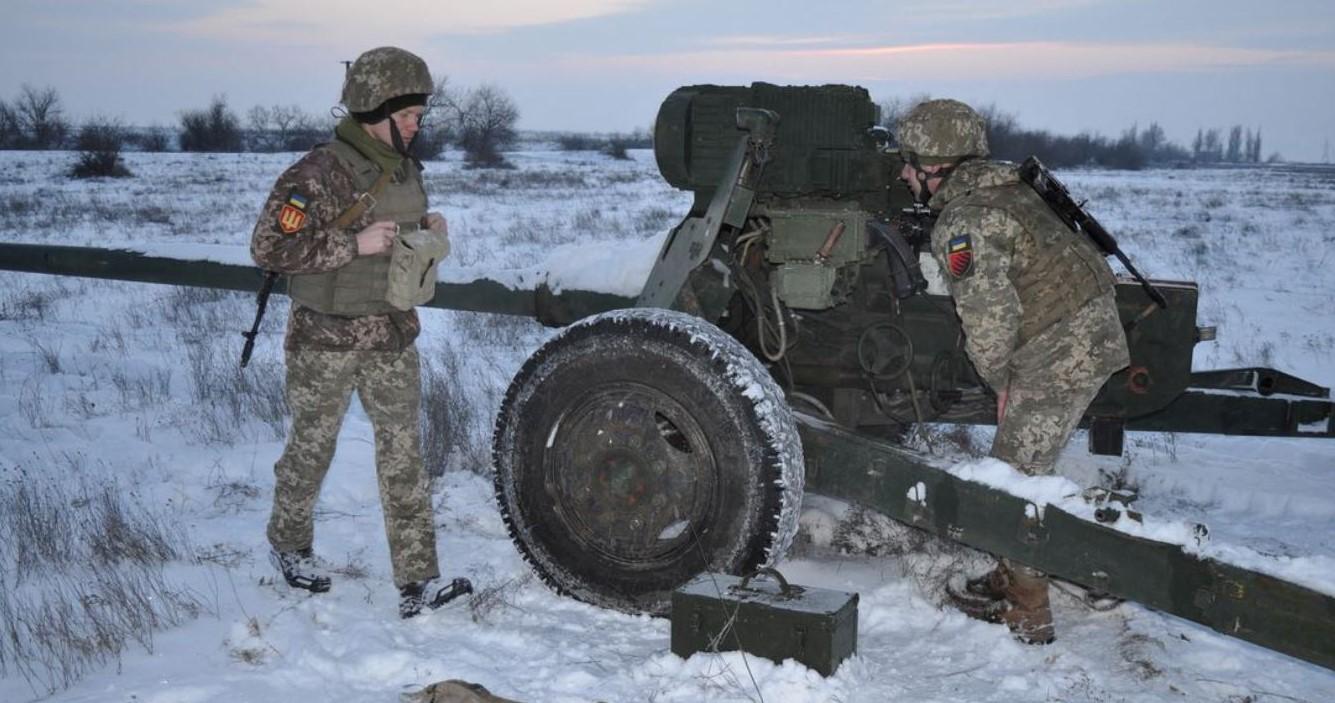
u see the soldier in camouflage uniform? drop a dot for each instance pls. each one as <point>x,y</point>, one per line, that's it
<point>1037,306</point>
<point>329,225</point>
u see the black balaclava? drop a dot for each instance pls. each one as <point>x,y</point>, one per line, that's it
<point>387,108</point>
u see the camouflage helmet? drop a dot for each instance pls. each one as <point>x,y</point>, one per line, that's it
<point>941,131</point>
<point>384,73</point>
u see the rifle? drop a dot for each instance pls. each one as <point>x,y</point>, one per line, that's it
<point>1033,172</point>
<point>262,302</point>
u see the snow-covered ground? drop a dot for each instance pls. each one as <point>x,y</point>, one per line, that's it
<point>120,404</point>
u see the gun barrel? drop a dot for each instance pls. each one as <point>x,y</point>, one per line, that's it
<point>479,295</point>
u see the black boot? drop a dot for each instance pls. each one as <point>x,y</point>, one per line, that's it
<point>431,593</point>
<point>300,570</point>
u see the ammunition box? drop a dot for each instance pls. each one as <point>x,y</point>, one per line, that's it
<point>765,617</point>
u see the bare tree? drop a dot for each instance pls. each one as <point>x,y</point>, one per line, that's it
<point>1153,139</point>
<point>281,128</point>
<point>1212,148</point>
<point>438,128</point>
<point>1234,153</point>
<point>485,124</point>
<point>11,128</point>
<point>41,118</point>
<point>261,137</point>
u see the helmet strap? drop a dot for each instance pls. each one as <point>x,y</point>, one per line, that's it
<point>924,193</point>
<point>405,149</point>
<point>396,137</point>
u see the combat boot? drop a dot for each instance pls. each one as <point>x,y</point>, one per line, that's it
<point>300,570</point>
<point>431,593</point>
<point>991,585</point>
<point>1014,595</point>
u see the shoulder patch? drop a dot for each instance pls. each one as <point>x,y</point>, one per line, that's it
<point>293,215</point>
<point>959,256</point>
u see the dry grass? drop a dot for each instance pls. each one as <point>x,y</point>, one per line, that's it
<point>83,574</point>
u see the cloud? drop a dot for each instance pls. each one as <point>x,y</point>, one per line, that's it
<point>356,22</point>
<point>948,61</point>
<point>972,11</point>
<point>763,41</point>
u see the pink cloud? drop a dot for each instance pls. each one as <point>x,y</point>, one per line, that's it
<point>945,61</point>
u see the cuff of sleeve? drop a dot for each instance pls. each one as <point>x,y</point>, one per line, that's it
<point>349,240</point>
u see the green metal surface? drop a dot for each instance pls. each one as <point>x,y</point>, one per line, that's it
<point>691,242</point>
<point>480,295</point>
<point>822,144</point>
<point>1246,604</point>
<point>721,613</point>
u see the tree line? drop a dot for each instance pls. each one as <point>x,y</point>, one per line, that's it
<point>1135,148</point>
<point>481,121</point>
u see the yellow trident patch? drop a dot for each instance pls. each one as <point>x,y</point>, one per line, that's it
<point>293,215</point>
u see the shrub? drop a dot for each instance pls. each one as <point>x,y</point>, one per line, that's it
<point>580,142</point>
<point>151,139</point>
<point>99,143</point>
<point>213,129</point>
<point>616,148</point>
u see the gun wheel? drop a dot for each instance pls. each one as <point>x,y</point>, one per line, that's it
<point>639,448</point>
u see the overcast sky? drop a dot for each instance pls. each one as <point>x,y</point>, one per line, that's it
<point>1063,65</point>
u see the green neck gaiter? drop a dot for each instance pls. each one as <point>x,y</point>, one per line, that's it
<point>383,155</point>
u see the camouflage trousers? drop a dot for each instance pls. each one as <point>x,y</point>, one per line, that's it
<point>319,388</point>
<point>1054,377</point>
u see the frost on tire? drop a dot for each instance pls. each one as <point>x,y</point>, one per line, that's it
<point>640,447</point>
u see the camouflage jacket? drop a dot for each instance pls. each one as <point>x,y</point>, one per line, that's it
<point>1016,272</point>
<point>320,188</point>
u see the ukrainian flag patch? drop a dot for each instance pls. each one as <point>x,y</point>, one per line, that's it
<point>959,256</point>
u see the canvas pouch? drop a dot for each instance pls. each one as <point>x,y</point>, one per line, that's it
<point>412,267</point>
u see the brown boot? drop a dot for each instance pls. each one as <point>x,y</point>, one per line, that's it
<point>990,585</point>
<point>1029,612</point>
<point>983,597</point>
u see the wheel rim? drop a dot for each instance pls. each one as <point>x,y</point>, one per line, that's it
<point>630,473</point>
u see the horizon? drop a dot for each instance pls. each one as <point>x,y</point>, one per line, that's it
<point>1061,66</point>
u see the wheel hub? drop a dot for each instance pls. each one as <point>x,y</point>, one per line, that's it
<point>630,472</point>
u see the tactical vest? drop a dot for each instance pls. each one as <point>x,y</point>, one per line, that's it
<point>1056,272</point>
<point>360,287</point>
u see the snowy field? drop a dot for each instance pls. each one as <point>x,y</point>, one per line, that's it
<point>135,465</point>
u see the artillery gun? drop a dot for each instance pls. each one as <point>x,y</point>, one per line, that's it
<point>783,343</point>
